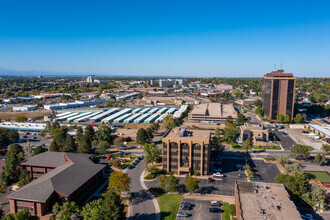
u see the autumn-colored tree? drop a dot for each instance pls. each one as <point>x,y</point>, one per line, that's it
<point>119,181</point>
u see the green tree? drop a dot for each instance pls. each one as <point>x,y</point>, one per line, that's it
<point>104,134</point>
<point>296,185</point>
<point>21,215</point>
<point>320,159</point>
<point>293,169</point>
<point>230,133</point>
<point>66,211</point>
<point>257,103</point>
<point>168,183</point>
<point>39,150</point>
<point>229,119</point>
<point>280,118</point>
<point>119,181</point>
<point>54,147</point>
<point>11,169</point>
<point>79,133</point>
<point>70,145</point>
<point>241,119</point>
<point>102,146</point>
<point>299,118</point>
<point>152,153</point>
<point>150,134</point>
<point>326,147</point>
<point>316,196</point>
<point>142,136</point>
<point>113,207</point>
<point>191,183</point>
<point>21,118</point>
<point>118,142</point>
<point>154,126</point>
<point>89,133</point>
<point>247,145</point>
<point>287,119</point>
<point>115,162</point>
<point>24,178</point>
<point>283,159</point>
<point>259,111</point>
<point>170,122</point>
<point>85,145</point>
<point>300,152</point>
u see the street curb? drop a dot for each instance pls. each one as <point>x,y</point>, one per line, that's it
<point>154,201</point>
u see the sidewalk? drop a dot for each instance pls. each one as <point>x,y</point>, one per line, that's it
<point>208,197</point>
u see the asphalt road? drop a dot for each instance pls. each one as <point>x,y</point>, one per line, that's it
<point>142,205</point>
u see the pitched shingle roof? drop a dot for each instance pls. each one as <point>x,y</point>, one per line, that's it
<point>65,179</point>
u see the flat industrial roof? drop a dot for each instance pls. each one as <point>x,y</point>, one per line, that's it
<point>192,134</point>
<point>267,195</point>
<point>323,129</point>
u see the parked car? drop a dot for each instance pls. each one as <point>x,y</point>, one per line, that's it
<point>184,207</point>
<point>182,214</point>
<point>306,216</point>
<point>215,210</point>
<point>256,178</point>
<point>242,175</point>
<point>215,203</point>
<point>187,204</point>
<point>267,156</point>
<point>217,174</point>
<point>131,166</point>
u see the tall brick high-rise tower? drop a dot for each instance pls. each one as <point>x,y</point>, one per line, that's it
<point>278,91</point>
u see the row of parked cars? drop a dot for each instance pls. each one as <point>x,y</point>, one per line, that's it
<point>186,206</point>
<point>135,162</point>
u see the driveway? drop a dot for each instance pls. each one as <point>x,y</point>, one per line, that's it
<point>142,205</point>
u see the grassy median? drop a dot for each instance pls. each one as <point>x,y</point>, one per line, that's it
<point>168,203</point>
<point>320,176</point>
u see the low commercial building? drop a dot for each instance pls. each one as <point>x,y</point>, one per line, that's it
<point>322,130</point>
<point>186,151</point>
<point>256,133</point>
<point>76,104</point>
<point>245,101</point>
<point>212,112</point>
<point>61,177</point>
<point>224,87</point>
<point>259,200</point>
<point>24,108</point>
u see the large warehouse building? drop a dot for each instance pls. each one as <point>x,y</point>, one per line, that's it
<point>122,115</point>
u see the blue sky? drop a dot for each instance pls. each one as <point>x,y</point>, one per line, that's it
<point>228,38</point>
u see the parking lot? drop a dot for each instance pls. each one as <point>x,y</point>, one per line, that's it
<point>34,139</point>
<point>200,210</point>
<point>225,185</point>
<point>303,138</point>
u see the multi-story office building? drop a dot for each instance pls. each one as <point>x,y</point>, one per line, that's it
<point>278,91</point>
<point>186,151</point>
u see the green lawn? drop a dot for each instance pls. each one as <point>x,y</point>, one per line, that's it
<point>133,143</point>
<point>320,176</point>
<point>129,161</point>
<point>267,148</point>
<point>169,205</point>
<point>310,148</point>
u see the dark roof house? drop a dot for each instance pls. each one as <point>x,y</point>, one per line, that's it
<point>71,177</point>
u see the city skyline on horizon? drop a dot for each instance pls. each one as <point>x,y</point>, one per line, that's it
<point>165,39</point>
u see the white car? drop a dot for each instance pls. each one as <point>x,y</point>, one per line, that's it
<point>215,203</point>
<point>217,174</point>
